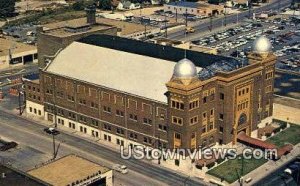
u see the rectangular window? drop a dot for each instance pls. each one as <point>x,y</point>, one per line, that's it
<point>177,120</point>
<point>194,120</point>
<point>107,109</point>
<point>177,136</point>
<point>147,121</point>
<point>204,100</point>
<point>203,129</point>
<point>94,105</point>
<point>133,117</point>
<point>221,116</point>
<point>177,105</point>
<point>194,104</point>
<point>162,127</point>
<point>120,131</point>
<point>222,96</point>
<point>107,127</point>
<point>120,113</point>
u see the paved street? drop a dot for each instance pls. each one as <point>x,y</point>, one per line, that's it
<point>203,27</point>
<point>30,135</point>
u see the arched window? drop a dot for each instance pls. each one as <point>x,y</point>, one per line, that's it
<point>242,119</point>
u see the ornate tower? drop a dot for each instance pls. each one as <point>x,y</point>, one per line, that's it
<point>262,54</point>
<point>183,89</point>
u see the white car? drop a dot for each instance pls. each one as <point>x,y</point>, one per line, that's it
<point>120,168</point>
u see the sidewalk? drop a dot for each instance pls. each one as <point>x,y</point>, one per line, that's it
<point>82,136</point>
<point>269,167</point>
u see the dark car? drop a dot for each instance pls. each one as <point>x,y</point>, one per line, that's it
<point>52,131</point>
<point>8,146</point>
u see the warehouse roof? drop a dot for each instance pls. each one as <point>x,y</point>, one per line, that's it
<point>168,53</point>
<point>67,170</point>
<point>15,47</point>
<point>140,75</point>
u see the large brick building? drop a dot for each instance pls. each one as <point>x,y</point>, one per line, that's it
<point>129,92</point>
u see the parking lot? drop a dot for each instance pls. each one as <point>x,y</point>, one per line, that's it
<point>22,33</point>
<point>283,33</point>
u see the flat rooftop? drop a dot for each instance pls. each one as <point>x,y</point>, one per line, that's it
<point>127,28</point>
<point>16,47</point>
<point>73,27</point>
<point>15,177</point>
<point>67,170</point>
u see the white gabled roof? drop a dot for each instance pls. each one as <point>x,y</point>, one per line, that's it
<point>127,72</point>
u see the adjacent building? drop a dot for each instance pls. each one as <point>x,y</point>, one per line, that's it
<point>195,8</point>
<point>129,93</point>
<point>73,170</point>
<point>52,40</point>
<point>15,54</point>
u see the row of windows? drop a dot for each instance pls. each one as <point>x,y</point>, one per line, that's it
<point>194,104</point>
<point>177,105</point>
<point>35,111</point>
<point>243,91</point>
<point>33,88</point>
<point>243,105</point>
<point>34,97</point>
<point>177,120</point>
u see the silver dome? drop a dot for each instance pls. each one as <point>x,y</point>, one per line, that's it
<point>262,45</point>
<point>185,69</point>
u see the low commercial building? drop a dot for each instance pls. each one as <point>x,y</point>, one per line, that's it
<point>15,54</point>
<point>55,37</point>
<point>73,170</point>
<point>195,8</point>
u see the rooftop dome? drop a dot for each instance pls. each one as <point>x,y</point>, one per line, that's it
<point>185,69</point>
<point>262,45</point>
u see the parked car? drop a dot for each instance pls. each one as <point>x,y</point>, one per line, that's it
<point>8,145</point>
<point>120,168</point>
<point>51,130</point>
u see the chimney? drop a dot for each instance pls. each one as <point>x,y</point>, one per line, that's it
<point>91,14</point>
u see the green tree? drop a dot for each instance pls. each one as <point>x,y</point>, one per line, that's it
<point>81,4</point>
<point>7,8</point>
<point>105,4</point>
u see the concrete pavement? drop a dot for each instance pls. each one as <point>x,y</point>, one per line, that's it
<point>269,167</point>
<point>218,22</point>
<point>30,133</point>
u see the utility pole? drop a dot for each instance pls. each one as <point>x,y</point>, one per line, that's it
<point>145,31</point>
<point>166,29</point>
<point>54,151</point>
<point>176,14</point>
<point>160,148</point>
<point>211,19</point>
<point>225,16</point>
<point>20,105</point>
<point>186,21</point>
<point>250,6</point>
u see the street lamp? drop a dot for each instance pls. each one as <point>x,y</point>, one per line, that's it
<point>53,132</point>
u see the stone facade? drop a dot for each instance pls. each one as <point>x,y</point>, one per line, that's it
<point>211,111</point>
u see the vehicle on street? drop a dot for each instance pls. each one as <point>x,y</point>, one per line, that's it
<point>120,168</point>
<point>189,30</point>
<point>7,145</point>
<point>51,130</point>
